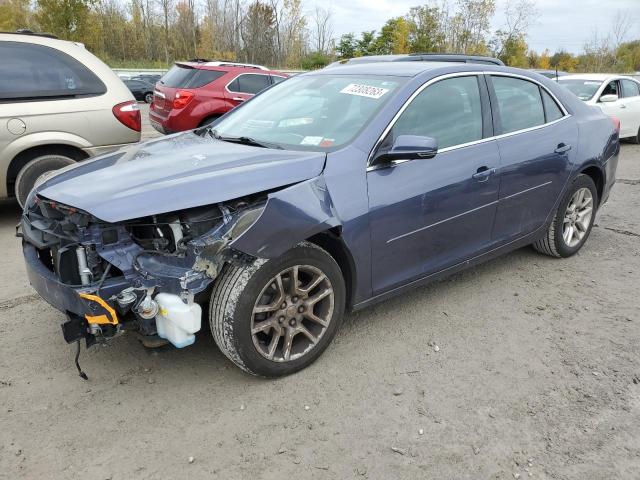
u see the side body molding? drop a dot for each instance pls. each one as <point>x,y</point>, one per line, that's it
<point>290,216</point>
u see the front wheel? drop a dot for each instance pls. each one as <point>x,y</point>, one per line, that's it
<point>275,317</point>
<point>573,220</point>
<point>148,97</point>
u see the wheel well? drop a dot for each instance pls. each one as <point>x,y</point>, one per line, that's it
<point>332,242</point>
<point>208,119</point>
<point>598,178</point>
<point>21,159</point>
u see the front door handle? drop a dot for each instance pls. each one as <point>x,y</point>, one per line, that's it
<point>562,148</point>
<point>623,106</point>
<point>483,173</point>
<point>238,99</point>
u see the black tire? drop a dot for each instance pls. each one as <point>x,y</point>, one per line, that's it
<point>148,97</point>
<point>636,139</point>
<point>236,292</point>
<point>553,243</point>
<point>208,120</point>
<point>34,169</point>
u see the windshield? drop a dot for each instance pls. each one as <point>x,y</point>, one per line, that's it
<point>310,112</point>
<point>583,89</point>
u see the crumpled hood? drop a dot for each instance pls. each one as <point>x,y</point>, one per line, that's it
<point>176,172</point>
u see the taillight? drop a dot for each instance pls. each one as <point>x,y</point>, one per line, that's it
<point>128,114</point>
<point>616,123</point>
<point>182,98</point>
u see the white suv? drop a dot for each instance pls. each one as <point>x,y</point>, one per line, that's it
<point>58,104</point>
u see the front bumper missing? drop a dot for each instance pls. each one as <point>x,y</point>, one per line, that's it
<point>81,307</point>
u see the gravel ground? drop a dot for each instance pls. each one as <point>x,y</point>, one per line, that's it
<point>536,373</point>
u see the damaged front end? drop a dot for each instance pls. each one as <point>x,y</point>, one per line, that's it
<point>144,274</point>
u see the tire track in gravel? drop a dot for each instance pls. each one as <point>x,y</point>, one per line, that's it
<point>15,302</point>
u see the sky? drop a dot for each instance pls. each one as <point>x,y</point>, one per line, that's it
<point>561,24</point>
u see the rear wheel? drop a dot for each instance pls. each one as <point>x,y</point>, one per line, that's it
<point>573,220</point>
<point>209,120</point>
<point>636,139</point>
<point>37,170</point>
<point>148,97</point>
<point>275,317</point>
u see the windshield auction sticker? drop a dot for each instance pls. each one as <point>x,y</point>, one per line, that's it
<point>364,90</point>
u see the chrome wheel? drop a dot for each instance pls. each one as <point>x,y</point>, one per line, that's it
<point>292,313</point>
<point>577,217</point>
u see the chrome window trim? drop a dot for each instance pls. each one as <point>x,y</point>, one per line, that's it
<point>393,121</point>
<point>226,87</point>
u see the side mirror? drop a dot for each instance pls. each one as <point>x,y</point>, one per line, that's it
<point>609,98</point>
<point>409,147</point>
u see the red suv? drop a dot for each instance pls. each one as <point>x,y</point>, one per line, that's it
<point>195,93</point>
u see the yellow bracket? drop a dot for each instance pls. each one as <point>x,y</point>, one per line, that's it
<point>100,319</point>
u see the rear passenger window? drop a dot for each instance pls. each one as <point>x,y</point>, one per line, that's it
<point>519,103</point>
<point>551,108</point>
<point>449,111</point>
<point>250,83</point>
<point>630,88</point>
<point>34,72</point>
<point>184,76</point>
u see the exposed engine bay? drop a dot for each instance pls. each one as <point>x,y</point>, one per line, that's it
<point>142,274</point>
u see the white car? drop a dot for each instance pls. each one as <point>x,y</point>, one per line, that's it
<point>617,96</point>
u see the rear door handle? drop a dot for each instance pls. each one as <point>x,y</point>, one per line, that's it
<point>483,173</point>
<point>623,106</point>
<point>562,148</point>
<point>238,99</point>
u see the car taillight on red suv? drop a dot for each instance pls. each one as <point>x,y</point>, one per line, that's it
<point>182,98</point>
<point>128,113</point>
<point>616,123</point>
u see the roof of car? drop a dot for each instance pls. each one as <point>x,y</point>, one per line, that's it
<point>402,69</point>
<point>592,76</point>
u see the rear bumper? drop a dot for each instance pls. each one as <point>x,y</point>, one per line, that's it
<point>610,167</point>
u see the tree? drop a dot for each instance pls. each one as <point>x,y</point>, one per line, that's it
<point>426,32</point>
<point>68,19</point>
<point>14,14</point>
<point>258,32</point>
<point>519,15</point>
<point>393,37</point>
<point>563,60</point>
<point>322,29</point>
<point>347,46</point>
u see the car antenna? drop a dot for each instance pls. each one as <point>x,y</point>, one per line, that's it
<point>80,372</point>
<point>556,74</point>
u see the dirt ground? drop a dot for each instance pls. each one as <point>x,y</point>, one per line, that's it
<point>536,374</point>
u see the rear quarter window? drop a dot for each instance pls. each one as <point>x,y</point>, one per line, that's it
<point>250,83</point>
<point>181,76</point>
<point>36,72</point>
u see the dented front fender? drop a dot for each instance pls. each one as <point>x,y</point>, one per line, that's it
<point>290,216</point>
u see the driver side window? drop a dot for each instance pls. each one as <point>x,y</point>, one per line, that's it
<point>611,89</point>
<point>448,110</point>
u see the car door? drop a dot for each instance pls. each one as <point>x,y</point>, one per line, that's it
<point>537,141</point>
<point>631,106</point>
<point>245,86</point>
<point>426,215</point>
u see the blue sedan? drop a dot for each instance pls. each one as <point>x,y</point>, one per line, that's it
<point>328,192</point>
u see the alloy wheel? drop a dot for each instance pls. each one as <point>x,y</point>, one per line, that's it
<point>292,313</point>
<point>577,217</point>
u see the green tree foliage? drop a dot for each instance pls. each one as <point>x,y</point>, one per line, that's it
<point>14,14</point>
<point>68,19</point>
